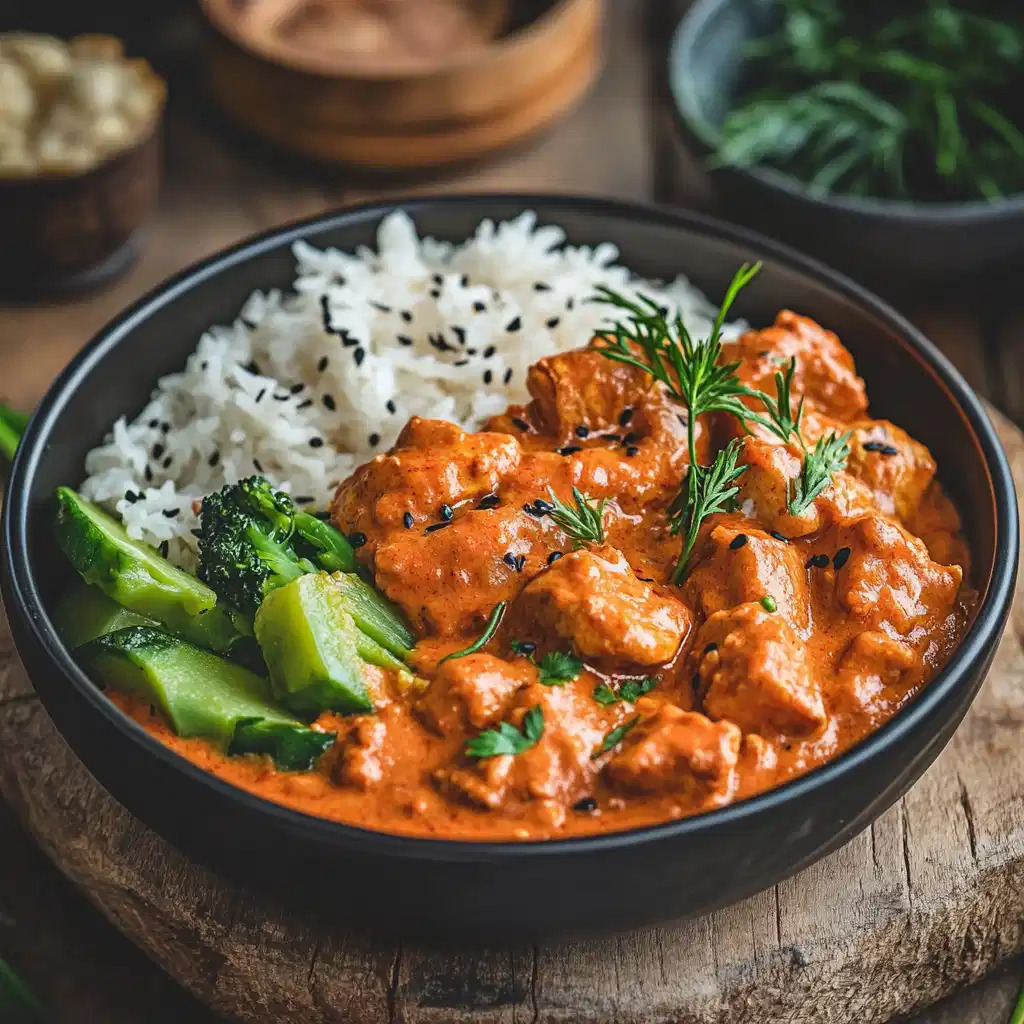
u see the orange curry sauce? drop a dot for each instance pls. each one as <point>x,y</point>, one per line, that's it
<point>866,586</point>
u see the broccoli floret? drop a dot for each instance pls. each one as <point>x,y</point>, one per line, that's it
<point>254,540</point>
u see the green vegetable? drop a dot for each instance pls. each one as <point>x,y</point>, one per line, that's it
<point>198,693</point>
<point>558,668</point>
<point>310,643</point>
<point>1018,1012</point>
<point>584,523</point>
<point>12,426</point>
<point>630,691</point>
<point>375,615</point>
<point>857,99</point>
<point>614,738</point>
<point>768,603</point>
<point>85,613</point>
<point>18,1004</point>
<point>294,748</point>
<point>827,458</point>
<point>489,630</point>
<point>137,577</point>
<point>507,739</point>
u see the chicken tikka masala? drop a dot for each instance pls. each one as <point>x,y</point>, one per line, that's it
<point>607,638</point>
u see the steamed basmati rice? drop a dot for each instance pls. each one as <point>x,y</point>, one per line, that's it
<point>304,387</point>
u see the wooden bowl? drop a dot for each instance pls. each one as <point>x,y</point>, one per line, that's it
<point>412,113</point>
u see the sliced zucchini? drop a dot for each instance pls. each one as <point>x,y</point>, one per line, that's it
<point>375,615</point>
<point>135,576</point>
<point>310,643</point>
<point>295,748</point>
<point>85,612</point>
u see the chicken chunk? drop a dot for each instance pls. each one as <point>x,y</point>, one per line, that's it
<point>825,374</point>
<point>472,693</point>
<point>433,463</point>
<point>888,580</point>
<point>753,670</point>
<point>738,562</point>
<point>679,752</point>
<point>366,754</point>
<point>593,599</point>
<point>874,677</point>
<point>896,468</point>
<point>554,772</point>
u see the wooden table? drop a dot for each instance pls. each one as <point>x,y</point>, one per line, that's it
<point>219,189</point>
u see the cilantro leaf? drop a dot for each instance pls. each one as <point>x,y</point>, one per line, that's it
<point>507,739</point>
<point>614,738</point>
<point>559,667</point>
<point>630,691</point>
<point>605,695</point>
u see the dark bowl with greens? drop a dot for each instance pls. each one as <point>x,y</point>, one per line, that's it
<point>885,143</point>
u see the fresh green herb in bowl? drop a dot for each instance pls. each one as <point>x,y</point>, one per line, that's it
<point>860,100</point>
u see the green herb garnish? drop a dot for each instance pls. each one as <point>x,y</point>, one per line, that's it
<point>630,691</point>
<point>558,668</point>
<point>507,739</point>
<point>584,523</point>
<point>614,738</point>
<point>828,456</point>
<point>489,630</point>
<point>768,603</point>
<point>1018,1011</point>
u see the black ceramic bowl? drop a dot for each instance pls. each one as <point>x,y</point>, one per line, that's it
<point>506,891</point>
<point>878,241</point>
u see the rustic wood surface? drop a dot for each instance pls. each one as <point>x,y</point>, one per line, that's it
<point>960,820</point>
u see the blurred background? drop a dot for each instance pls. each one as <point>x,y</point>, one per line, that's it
<point>883,137</point>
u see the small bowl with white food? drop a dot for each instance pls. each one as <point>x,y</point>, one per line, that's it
<point>79,160</point>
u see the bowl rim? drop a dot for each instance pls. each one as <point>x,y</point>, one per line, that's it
<point>30,620</point>
<point>549,20</point>
<point>695,127</point>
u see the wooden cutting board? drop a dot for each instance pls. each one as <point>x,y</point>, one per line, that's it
<point>928,899</point>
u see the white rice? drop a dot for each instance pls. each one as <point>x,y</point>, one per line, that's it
<point>419,327</point>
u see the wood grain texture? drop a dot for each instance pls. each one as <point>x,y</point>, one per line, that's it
<point>928,899</point>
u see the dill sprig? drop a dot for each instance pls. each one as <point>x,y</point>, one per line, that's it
<point>583,522</point>
<point>820,464</point>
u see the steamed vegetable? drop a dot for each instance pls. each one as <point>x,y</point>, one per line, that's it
<point>137,577</point>
<point>200,694</point>
<point>375,615</point>
<point>311,645</point>
<point>85,613</point>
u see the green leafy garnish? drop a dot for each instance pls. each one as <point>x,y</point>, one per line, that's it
<point>614,738</point>
<point>630,691</point>
<point>828,456</point>
<point>558,668</point>
<point>584,523</point>
<point>489,630</point>
<point>507,739</point>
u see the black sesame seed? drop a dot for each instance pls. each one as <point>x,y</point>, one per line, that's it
<point>148,475</point>
<point>521,424</point>
<point>436,526</point>
<point>625,416</point>
<point>541,286</point>
<point>889,450</point>
<point>711,647</point>
<point>214,458</point>
<point>358,355</point>
<point>612,438</point>
<point>171,512</point>
<point>460,334</point>
<point>296,388</point>
<point>632,450</point>
<point>509,559</point>
<point>282,398</point>
<point>554,557</point>
<point>489,501</point>
<point>407,520</point>
<point>682,419</point>
<point>461,362</point>
<point>374,440</point>
<point>435,293</point>
<point>583,430</point>
<point>543,507</point>
<point>153,424</point>
<point>204,365</point>
<point>552,323</point>
<point>381,307</point>
<point>737,542</point>
<point>514,325</point>
<point>527,647</point>
<point>631,438</point>
<point>479,307</point>
<point>569,303</point>
<point>316,442</point>
<point>305,404</point>
<point>257,465</point>
<point>438,279</point>
<point>131,497</point>
<point>329,403</point>
<point>520,562</point>
<point>165,547</point>
<point>488,376</point>
<point>404,339</point>
<point>588,804</point>
<point>391,407</point>
<point>305,499</point>
<point>406,316</point>
<point>873,446</point>
<point>167,462</point>
<point>508,375</point>
<point>840,558</point>
<point>489,351</point>
<point>260,393</point>
<point>780,536</point>
<point>531,511</point>
<point>357,539</point>
<point>322,364</point>
<point>446,513</point>
<point>158,450</point>
<point>816,562</point>
<point>464,280</point>
<point>165,428</point>
<point>570,449</point>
